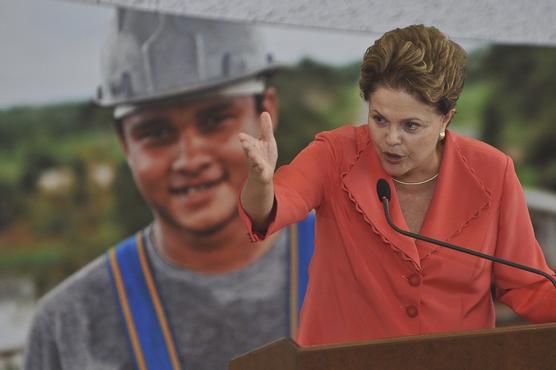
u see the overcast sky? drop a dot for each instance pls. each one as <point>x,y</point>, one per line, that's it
<point>50,49</point>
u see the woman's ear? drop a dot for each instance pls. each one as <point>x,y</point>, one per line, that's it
<point>448,118</point>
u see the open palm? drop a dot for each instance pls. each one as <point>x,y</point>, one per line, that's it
<point>261,153</point>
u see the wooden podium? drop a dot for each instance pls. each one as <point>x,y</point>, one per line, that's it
<point>526,347</point>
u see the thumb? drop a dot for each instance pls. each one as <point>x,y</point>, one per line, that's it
<point>267,131</point>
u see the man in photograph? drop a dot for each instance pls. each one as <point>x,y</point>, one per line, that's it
<point>190,290</point>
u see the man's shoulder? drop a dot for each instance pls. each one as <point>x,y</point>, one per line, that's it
<point>88,284</point>
<point>77,324</point>
<point>85,286</point>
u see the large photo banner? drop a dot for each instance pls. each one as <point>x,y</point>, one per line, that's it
<point>67,193</point>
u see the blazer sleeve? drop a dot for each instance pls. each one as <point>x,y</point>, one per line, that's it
<point>530,295</point>
<point>299,187</point>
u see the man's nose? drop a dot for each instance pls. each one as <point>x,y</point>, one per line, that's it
<point>192,153</point>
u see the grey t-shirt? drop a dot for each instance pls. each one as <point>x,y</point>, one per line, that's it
<point>214,317</point>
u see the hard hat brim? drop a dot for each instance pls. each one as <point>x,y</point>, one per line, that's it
<point>203,88</point>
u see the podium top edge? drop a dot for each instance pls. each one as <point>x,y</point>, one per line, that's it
<point>432,337</point>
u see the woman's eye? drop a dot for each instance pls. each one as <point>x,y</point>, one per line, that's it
<point>379,120</point>
<point>412,126</point>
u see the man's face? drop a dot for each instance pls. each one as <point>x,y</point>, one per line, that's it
<point>187,161</point>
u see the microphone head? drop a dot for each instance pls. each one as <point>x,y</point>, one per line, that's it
<point>383,189</point>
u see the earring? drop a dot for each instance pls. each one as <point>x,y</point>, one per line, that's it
<point>442,135</point>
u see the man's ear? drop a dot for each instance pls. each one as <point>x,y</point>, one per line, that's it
<point>119,129</point>
<point>270,105</point>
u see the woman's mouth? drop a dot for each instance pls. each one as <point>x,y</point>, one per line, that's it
<point>393,158</point>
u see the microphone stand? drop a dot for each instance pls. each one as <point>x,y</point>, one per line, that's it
<point>385,204</point>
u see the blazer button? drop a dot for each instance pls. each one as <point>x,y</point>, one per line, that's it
<point>414,280</point>
<point>411,311</point>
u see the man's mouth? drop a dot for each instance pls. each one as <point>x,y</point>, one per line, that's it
<point>196,190</point>
<point>193,189</point>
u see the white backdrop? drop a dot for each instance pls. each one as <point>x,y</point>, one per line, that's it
<point>513,21</point>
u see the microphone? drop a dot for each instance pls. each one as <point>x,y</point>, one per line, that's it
<point>384,195</point>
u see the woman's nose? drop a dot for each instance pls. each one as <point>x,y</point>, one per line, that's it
<point>393,136</point>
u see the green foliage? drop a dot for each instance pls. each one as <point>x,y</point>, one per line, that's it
<point>51,233</point>
<point>507,101</point>
<point>130,212</point>
<point>71,139</point>
<point>471,104</point>
<point>10,207</point>
<point>519,113</point>
<point>313,97</point>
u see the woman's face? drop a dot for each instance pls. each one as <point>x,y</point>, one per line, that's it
<point>406,134</point>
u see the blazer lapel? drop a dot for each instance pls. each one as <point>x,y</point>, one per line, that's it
<point>459,197</point>
<point>359,182</point>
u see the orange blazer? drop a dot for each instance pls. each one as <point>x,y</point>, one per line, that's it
<point>367,281</point>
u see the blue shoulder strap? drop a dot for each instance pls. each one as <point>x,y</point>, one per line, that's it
<point>147,328</point>
<point>302,237</point>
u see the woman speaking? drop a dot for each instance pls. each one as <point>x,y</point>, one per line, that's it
<point>366,280</point>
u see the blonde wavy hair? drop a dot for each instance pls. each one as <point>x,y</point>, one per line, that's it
<point>419,60</point>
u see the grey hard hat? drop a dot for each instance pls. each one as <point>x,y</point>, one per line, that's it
<point>151,56</point>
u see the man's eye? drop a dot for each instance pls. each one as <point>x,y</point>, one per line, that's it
<point>215,122</point>
<point>163,132</point>
<point>157,133</point>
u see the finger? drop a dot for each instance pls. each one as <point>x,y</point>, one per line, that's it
<point>259,169</point>
<point>250,152</point>
<point>245,145</point>
<point>256,158</point>
<point>267,132</point>
<point>245,137</point>
<point>246,151</point>
<point>247,141</point>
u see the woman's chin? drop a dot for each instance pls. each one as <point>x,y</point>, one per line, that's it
<point>394,171</point>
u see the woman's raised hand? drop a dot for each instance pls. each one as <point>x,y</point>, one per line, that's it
<point>261,153</point>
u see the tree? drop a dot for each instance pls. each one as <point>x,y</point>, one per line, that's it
<point>523,83</point>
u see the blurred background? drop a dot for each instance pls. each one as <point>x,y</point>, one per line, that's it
<point>66,194</point>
